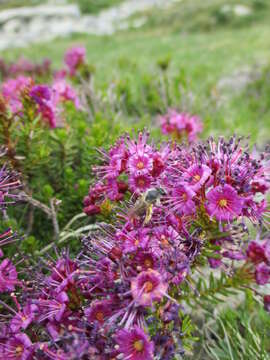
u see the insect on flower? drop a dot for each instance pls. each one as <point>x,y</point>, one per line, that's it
<point>144,206</point>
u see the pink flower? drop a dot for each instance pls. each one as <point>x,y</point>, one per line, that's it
<point>266,300</point>
<point>196,176</point>
<point>181,201</point>
<point>92,210</point>
<point>8,276</point>
<point>139,184</point>
<point>164,238</point>
<point>49,113</point>
<point>18,347</point>
<point>24,317</point>
<point>98,311</point>
<point>193,127</point>
<point>262,274</point>
<point>43,96</point>
<point>53,309</point>
<point>135,344</point>
<point>63,92</point>
<point>224,203</point>
<point>137,239</point>
<point>41,93</point>
<point>147,287</point>
<point>146,260</point>
<point>181,125</point>
<point>139,147</point>
<point>75,57</point>
<point>259,251</point>
<point>12,90</point>
<point>140,164</point>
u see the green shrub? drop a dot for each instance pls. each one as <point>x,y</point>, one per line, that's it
<point>94,6</point>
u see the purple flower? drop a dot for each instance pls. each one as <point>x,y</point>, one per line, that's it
<point>140,164</point>
<point>224,203</point>
<point>181,125</point>
<point>146,260</point>
<point>8,276</point>
<point>196,176</point>
<point>98,311</point>
<point>147,287</point>
<point>135,344</point>
<point>53,309</point>
<point>62,274</point>
<point>214,263</point>
<point>134,240</point>
<point>259,252</point>
<point>40,94</point>
<point>12,90</point>
<point>139,184</point>
<point>63,92</point>
<point>18,347</point>
<point>180,200</point>
<point>75,57</point>
<point>23,318</point>
<point>262,274</point>
<point>164,237</point>
<point>266,300</point>
<point>43,96</point>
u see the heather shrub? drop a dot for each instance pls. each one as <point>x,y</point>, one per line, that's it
<point>164,215</point>
<point>120,239</point>
<point>52,121</point>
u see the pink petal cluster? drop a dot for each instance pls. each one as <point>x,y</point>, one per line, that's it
<point>24,67</point>
<point>258,252</point>
<point>49,99</point>
<point>181,125</point>
<point>74,58</point>
<point>120,297</point>
<point>12,91</point>
<point>134,344</point>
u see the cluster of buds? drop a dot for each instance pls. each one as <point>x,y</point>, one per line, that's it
<point>181,126</point>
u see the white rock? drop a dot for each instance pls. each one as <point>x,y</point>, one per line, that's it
<point>12,26</point>
<point>242,10</point>
<point>225,9</point>
<point>19,27</point>
<point>43,10</point>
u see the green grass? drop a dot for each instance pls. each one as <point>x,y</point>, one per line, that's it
<point>205,58</point>
<point>8,4</point>
<point>94,6</point>
<point>207,15</point>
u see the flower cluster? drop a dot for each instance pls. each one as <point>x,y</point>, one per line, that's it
<point>46,100</point>
<point>181,125</point>
<point>120,298</point>
<point>12,89</point>
<point>218,179</point>
<point>24,67</point>
<point>49,100</point>
<point>8,273</point>
<point>97,306</point>
<point>258,252</point>
<point>74,58</point>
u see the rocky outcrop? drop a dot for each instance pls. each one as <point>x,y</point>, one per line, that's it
<point>22,26</point>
